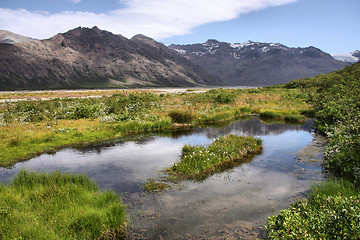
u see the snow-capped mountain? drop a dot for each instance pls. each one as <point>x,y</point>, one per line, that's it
<point>256,63</point>
<point>352,57</point>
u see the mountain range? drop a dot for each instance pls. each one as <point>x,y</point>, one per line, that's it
<point>94,58</point>
<point>258,64</point>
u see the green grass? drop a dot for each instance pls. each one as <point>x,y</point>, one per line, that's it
<point>331,211</point>
<point>59,206</point>
<point>151,185</point>
<point>198,162</point>
<point>287,116</point>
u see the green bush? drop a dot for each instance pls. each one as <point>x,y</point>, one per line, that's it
<point>331,211</point>
<point>342,152</point>
<point>225,97</point>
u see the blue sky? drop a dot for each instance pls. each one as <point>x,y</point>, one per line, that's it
<point>331,25</point>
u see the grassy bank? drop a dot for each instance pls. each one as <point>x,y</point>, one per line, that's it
<point>332,209</point>
<point>32,127</point>
<point>59,206</point>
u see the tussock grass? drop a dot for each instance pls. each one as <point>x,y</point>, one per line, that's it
<point>59,206</point>
<point>287,116</point>
<point>181,117</point>
<point>334,187</point>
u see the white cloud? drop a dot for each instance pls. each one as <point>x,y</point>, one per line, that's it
<point>155,18</point>
<point>74,1</point>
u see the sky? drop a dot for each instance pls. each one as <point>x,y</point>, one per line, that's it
<point>331,25</point>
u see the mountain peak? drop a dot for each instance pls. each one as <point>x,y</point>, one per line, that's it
<point>142,37</point>
<point>356,54</point>
<point>212,41</point>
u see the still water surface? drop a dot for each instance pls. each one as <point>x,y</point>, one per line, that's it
<point>230,203</point>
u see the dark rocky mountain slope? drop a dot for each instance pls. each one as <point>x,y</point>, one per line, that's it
<point>93,58</point>
<point>258,64</point>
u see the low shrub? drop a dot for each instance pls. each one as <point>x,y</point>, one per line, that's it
<point>225,97</point>
<point>331,212</point>
<point>342,153</point>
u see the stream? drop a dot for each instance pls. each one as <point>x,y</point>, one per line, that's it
<point>233,204</point>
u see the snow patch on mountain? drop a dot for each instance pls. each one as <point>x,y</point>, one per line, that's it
<point>241,45</point>
<point>347,57</point>
<point>181,51</point>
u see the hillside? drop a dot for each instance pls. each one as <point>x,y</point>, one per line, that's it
<point>9,37</point>
<point>258,64</point>
<point>93,58</point>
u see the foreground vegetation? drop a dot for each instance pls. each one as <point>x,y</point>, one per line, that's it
<point>32,127</point>
<point>58,206</point>
<point>332,210</point>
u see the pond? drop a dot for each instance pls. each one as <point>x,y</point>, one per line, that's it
<point>232,203</point>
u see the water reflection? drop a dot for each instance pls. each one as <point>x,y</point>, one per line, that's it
<point>245,194</point>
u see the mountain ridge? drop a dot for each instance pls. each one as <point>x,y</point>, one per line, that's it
<point>258,64</point>
<point>94,58</point>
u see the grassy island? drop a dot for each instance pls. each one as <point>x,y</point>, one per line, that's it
<point>198,162</point>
